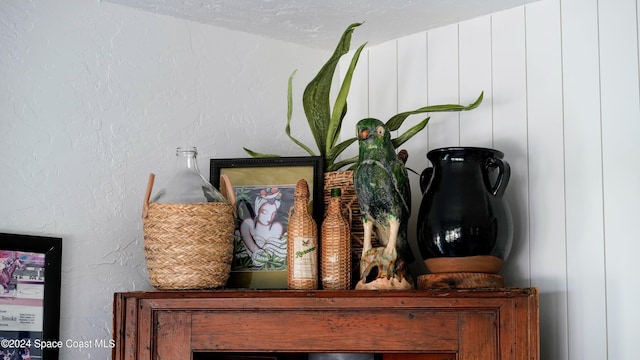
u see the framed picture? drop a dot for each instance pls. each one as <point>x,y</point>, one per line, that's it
<point>29,296</point>
<point>264,194</point>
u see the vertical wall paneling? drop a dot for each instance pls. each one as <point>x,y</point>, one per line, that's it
<point>412,72</point>
<point>357,100</point>
<point>546,173</point>
<point>562,101</point>
<point>621,171</point>
<point>412,94</point>
<point>510,131</point>
<point>412,91</point>
<point>586,305</point>
<point>442,59</point>
<point>383,81</point>
<point>475,76</point>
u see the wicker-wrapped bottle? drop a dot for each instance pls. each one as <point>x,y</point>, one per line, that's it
<point>302,242</point>
<point>335,259</point>
<point>188,229</point>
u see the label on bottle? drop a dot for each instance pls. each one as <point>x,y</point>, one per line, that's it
<point>305,257</point>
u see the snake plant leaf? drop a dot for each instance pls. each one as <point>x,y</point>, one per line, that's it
<point>396,121</point>
<point>257,154</point>
<point>325,122</point>
<point>409,133</point>
<point>344,112</point>
<point>315,99</point>
<point>339,107</point>
<point>335,151</point>
<point>342,163</point>
<point>290,96</point>
<point>287,129</point>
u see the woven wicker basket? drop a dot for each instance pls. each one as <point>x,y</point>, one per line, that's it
<point>189,246</point>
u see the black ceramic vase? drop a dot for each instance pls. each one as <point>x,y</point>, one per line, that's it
<point>464,224</point>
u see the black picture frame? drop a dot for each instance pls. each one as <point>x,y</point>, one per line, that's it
<point>273,176</point>
<point>34,286</point>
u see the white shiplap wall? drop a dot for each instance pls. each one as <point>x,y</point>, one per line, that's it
<point>562,102</point>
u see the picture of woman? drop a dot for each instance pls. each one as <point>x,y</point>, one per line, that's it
<point>261,235</point>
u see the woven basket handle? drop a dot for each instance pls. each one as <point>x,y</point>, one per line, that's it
<point>227,191</point>
<point>147,195</point>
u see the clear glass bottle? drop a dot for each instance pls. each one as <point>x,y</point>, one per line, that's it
<point>335,267</point>
<point>187,185</point>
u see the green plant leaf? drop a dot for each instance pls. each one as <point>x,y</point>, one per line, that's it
<point>290,96</point>
<point>315,99</point>
<point>335,151</point>
<point>409,133</point>
<point>287,129</point>
<point>339,107</point>
<point>325,122</point>
<point>342,163</point>
<point>396,121</point>
<point>257,154</point>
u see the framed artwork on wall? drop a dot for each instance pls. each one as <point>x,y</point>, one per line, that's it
<point>30,296</point>
<point>264,190</point>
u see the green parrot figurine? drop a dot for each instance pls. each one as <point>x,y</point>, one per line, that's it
<point>382,188</point>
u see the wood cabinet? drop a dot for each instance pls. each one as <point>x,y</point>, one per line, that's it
<point>417,324</point>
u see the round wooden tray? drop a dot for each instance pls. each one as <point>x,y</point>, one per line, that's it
<point>460,280</point>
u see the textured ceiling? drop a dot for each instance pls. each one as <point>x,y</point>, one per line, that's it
<point>319,23</point>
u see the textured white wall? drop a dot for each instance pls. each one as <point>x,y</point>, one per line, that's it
<point>94,97</point>
<point>562,101</point>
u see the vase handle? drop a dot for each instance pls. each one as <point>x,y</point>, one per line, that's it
<point>504,173</point>
<point>425,178</point>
